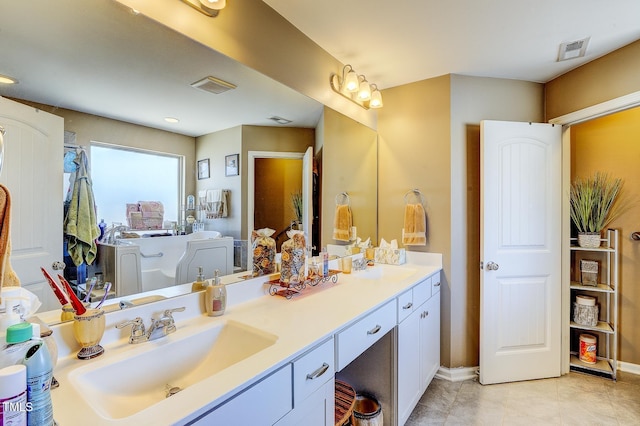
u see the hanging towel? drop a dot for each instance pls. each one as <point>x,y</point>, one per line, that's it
<point>415,225</point>
<point>342,223</point>
<point>8,277</point>
<point>80,224</point>
<point>217,203</point>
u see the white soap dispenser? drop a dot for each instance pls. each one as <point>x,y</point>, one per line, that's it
<point>216,296</point>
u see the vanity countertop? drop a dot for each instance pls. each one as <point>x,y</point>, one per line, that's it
<point>298,323</point>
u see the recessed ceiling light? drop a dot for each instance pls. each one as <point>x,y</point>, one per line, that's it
<point>171,120</point>
<point>5,79</point>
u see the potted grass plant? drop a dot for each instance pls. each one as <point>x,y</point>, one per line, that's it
<point>594,204</point>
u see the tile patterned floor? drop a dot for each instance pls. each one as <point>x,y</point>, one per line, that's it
<point>573,399</point>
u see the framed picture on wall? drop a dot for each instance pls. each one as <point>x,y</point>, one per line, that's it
<point>203,169</point>
<point>231,165</point>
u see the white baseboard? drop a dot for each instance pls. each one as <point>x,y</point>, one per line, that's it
<point>458,374</point>
<point>628,367</point>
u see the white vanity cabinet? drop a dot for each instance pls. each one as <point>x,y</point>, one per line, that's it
<point>357,337</point>
<point>313,388</point>
<point>418,343</point>
<point>261,404</point>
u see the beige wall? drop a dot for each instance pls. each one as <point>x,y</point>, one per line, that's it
<point>215,146</point>
<point>474,99</point>
<point>610,144</point>
<point>89,128</point>
<point>429,139</point>
<point>349,161</point>
<point>606,78</point>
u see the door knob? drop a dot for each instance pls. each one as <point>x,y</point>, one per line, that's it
<point>492,266</point>
<point>58,266</point>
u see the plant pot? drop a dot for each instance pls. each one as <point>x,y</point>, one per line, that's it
<point>589,239</point>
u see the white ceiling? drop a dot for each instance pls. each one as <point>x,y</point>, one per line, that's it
<point>97,57</point>
<point>398,42</point>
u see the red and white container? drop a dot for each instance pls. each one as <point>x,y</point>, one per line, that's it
<point>588,348</point>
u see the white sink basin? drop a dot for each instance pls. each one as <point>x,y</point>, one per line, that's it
<point>131,384</point>
<point>391,272</point>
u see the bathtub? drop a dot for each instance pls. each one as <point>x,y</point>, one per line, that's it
<point>137,265</point>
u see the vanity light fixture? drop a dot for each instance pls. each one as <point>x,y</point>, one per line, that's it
<point>356,88</point>
<point>5,79</point>
<point>207,7</point>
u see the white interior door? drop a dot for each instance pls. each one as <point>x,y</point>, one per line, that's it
<point>32,171</point>
<point>520,294</point>
<point>307,194</point>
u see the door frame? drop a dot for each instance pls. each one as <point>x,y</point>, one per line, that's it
<point>612,106</point>
<point>251,166</point>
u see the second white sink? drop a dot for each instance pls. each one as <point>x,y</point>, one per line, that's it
<point>131,384</point>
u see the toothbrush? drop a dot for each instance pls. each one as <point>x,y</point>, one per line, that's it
<point>107,287</point>
<point>94,280</point>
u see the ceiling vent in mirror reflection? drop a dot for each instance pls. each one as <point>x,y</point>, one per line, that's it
<point>280,120</point>
<point>213,85</point>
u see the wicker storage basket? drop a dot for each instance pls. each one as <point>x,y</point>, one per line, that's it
<point>345,401</point>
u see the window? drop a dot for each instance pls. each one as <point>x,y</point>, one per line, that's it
<point>126,175</point>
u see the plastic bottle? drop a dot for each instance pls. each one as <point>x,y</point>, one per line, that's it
<point>200,283</point>
<point>13,395</point>
<point>325,263</point>
<point>216,297</point>
<point>19,339</point>
<point>103,227</point>
<point>39,374</point>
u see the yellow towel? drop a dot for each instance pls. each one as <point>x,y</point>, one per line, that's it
<point>8,276</point>
<point>415,226</point>
<point>342,223</point>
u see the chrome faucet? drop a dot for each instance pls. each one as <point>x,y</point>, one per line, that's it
<point>159,327</point>
<point>109,236</point>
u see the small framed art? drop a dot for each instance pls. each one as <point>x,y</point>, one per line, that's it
<point>203,169</point>
<point>231,165</point>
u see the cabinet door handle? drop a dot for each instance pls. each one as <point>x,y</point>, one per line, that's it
<point>319,372</point>
<point>408,305</point>
<point>437,284</point>
<point>374,330</point>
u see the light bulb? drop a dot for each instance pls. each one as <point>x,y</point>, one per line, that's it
<point>376,99</point>
<point>351,81</point>
<point>364,93</point>
<point>214,4</point>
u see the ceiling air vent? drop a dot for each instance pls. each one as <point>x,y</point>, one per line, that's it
<point>573,49</point>
<point>213,85</point>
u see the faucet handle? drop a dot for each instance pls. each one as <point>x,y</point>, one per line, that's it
<point>168,313</point>
<point>169,322</point>
<point>137,329</point>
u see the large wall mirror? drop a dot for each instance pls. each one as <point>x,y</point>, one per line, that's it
<point>114,76</point>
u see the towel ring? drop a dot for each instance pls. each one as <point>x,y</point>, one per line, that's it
<point>343,199</point>
<point>417,194</point>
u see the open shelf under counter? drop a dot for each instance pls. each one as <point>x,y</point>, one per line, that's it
<point>603,327</point>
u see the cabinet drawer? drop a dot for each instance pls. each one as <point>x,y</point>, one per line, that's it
<point>405,305</point>
<point>435,283</point>
<point>421,292</point>
<point>356,338</point>
<point>312,370</point>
